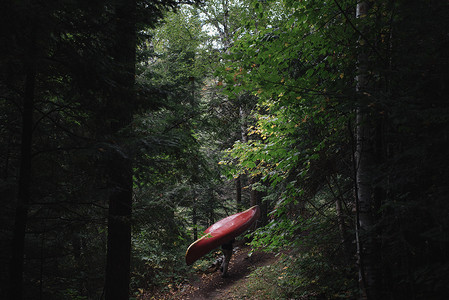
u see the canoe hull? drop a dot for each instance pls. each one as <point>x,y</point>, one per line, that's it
<point>221,232</point>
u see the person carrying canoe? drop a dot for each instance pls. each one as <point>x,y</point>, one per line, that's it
<point>227,253</point>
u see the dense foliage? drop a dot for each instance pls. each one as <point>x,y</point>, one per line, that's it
<point>193,113</point>
<point>303,68</point>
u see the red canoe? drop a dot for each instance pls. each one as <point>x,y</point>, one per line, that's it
<point>221,232</point>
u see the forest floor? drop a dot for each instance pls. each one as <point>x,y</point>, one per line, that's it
<point>211,286</point>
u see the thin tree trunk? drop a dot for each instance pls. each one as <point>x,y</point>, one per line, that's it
<point>194,204</point>
<point>238,191</point>
<point>244,135</point>
<point>195,221</point>
<point>243,124</point>
<point>25,177</point>
<point>341,220</point>
<point>364,179</point>
<point>226,36</point>
<point>120,169</point>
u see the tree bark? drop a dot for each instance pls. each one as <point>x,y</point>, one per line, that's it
<point>243,124</point>
<point>238,191</point>
<point>244,135</point>
<point>341,220</point>
<point>195,221</point>
<point>364,218</point>
<point>119,234</point>
<point>366,249</point>
<point>25,177</point>
<point>119,116</point>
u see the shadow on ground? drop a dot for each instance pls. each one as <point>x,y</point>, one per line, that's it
<point>213,286</point>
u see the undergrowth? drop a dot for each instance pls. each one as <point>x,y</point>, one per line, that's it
<point>301,277</point>
<point>314,266</point>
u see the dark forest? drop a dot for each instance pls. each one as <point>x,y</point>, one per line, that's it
<point>127,127</point>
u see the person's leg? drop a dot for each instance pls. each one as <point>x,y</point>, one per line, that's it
<point>226,258</point>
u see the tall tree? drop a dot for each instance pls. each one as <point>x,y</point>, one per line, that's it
<point>119,112</point>
<point>364,166</point>
<point>25,173</point>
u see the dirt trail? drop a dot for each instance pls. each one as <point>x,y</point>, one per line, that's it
<point>214,287</point>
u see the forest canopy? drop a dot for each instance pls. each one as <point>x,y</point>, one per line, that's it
<point>128,127</point>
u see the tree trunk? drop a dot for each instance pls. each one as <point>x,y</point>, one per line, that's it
<point>195,222</point>
<point>119,114</point>
<point>238,191</point>
<point>194,206</point>
<point>119,233</point>
<point>255,196</point>
<point>25,177</point>
<point>244,135</point>
<point>340,220</point>
<point>366,249</point>
<point>226,36</point>
<point>365,220</point>
<point>243,124</point>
